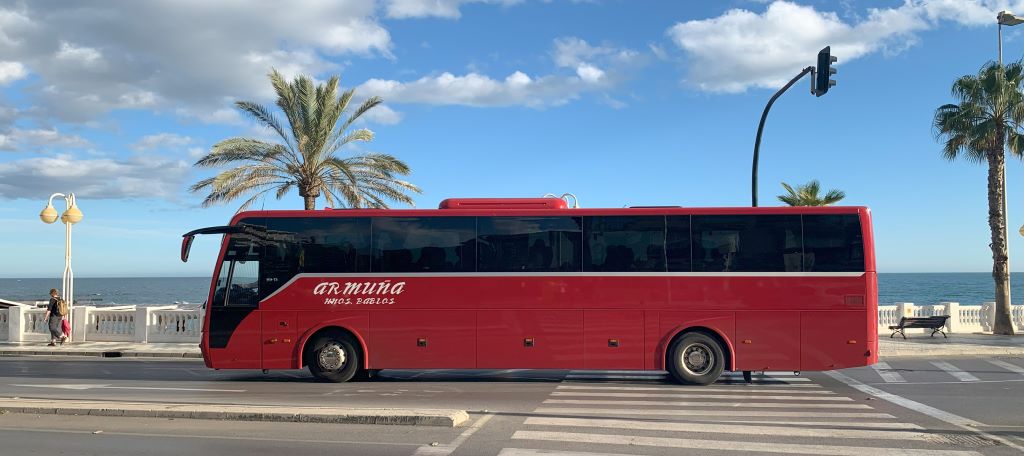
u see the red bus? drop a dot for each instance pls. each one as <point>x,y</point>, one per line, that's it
<point>531,283</point>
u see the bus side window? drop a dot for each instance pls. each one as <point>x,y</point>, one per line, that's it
<point>238,278</point>
<point>833,243</point>
<point>746,243</point>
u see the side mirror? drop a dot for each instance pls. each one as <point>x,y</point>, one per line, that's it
<point>186,245</point>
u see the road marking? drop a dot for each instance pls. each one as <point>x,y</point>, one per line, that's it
<point>449,448</point>
<point>956,420</point>
<point>725,445</point>
<point>955,371</point>
<point>634,425</point>
<point>707,404</point>
<point>702,396</point>
<point>531,452</point>
<point>697,389</point>
<point>176,436</point>
<point>1005,365</point>
<point>887,374</point>
<point>701,413</point>
<point>148,388</point>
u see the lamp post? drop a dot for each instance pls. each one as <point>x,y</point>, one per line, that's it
<point>71,216</point>
<point>1009,19</point>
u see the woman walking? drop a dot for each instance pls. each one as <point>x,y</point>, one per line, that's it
<point>55,317</point>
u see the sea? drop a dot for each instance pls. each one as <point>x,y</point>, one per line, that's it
<point>967,288</point>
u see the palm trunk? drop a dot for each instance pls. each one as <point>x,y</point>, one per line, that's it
<point>310,202</point>
<point>997,224</point>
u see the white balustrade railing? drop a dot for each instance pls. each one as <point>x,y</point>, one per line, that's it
<point>111,325</point>
<point>5,326</point>
<point>171,324</point>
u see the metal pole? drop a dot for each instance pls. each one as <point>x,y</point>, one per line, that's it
<point>760,130</point>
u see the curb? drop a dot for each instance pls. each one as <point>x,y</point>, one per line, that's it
<point>101,354</point>
<point>406,417</point>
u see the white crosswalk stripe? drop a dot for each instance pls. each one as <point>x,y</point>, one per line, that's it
<point>701,396</point>
<point>770,377</point>
<point>754,389</point>
<point>614,419</point>
<point>631,441</point>
<point>1005,365</point>
<point>955,371</point>
<point>706,404</point>
<point>684,413</point>
<point>887,374</point>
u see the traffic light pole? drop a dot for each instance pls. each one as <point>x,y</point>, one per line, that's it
<point>760,129</point>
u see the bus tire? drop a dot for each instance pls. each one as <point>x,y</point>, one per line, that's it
<point>333,357</point>
<point>696,358</point>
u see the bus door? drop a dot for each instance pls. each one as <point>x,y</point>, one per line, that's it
<point>234,327</point>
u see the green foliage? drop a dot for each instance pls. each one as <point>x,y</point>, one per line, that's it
<point>307,156</point>
<point>989,113</point>
<point>807,195</point>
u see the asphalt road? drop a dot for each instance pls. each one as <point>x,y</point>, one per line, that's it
<point>958,407</point>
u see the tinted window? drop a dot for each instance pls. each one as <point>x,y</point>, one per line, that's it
<point>314,245</point>
<point>529,244</point>
<point>833,243</point>
<point>620,244</point>
<point>238,279</point>
<point>746,243</point>
<point>677,243</point>
<point>427,244</point>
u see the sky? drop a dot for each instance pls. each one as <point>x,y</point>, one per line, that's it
<point>620,102</point>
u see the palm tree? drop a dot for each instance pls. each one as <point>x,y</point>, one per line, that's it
<point>807,195</point>
<point>987,120</point>
<point>306,158</point>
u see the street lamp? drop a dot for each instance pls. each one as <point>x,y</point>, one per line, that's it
<point>1009,19</point>
<point>71,216</point>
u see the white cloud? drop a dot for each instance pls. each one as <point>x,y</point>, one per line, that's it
<point>473,89</point>
<point>171,54</point>
<point>11,71</point>
<point>518,88</point>
<point>139,177</point>
<point>403,9</point>
<point>18,139</point>
<point>161,141</point>
<point>85,56</point>
<point>382,114</point>
<point>742,49</point>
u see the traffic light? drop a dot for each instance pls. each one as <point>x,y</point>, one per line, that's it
<point>825,71</point>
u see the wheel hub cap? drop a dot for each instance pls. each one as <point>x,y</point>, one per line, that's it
<point>331,357</point>
<point>698,359</point>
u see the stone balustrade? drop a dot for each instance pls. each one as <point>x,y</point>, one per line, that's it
<point>171,324</point>
<point>106,324</point>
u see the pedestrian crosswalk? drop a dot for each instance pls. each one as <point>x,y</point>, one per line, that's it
<point>606,413</point>
<point>966,371</point>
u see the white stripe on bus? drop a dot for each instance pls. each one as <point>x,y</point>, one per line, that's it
<point>406,275</point>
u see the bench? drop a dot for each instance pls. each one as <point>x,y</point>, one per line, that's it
<point>936,324</point>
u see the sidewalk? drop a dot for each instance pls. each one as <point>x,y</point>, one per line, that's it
<point>102,349</point>
<point>920,345</point>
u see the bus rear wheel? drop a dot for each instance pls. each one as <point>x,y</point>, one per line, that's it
<point>696,359</point>
<point>333,358</point>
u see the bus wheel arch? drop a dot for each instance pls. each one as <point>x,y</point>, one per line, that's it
<point>707,343</point>
<point>328,353</point>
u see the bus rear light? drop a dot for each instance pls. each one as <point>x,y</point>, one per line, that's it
<point>528,342</point>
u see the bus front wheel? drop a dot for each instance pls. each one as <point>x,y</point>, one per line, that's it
<point>333,358</point>
<point>696,359</point>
